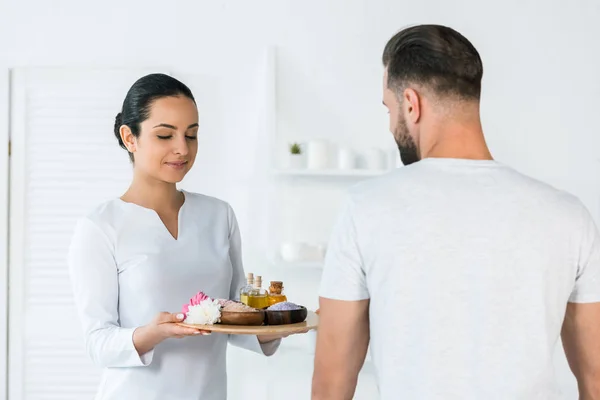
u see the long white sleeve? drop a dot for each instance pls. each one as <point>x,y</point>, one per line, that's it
<point>96,289</point>
<point>238,280</point>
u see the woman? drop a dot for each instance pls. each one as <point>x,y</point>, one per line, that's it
<point>135,257</point>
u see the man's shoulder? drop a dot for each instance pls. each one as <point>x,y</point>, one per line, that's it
<point>543,191</point>
<point>405,182</point>
<point>385,184</point>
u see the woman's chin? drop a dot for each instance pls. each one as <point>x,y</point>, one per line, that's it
<point>172,177</point>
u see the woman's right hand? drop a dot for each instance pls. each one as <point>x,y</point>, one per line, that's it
<point>162,327</point>
<point>165,326</point>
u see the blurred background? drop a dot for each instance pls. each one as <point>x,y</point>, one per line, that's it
<point>266,75</point>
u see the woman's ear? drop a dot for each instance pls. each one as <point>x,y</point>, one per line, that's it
<point>128,138</point>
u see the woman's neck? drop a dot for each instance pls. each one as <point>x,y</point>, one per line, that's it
<point>154,194</point>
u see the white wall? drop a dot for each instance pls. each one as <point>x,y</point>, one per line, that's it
<point>540,58</point>
<point>541,61</point>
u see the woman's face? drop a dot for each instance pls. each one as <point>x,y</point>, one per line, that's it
<point>168,142</point>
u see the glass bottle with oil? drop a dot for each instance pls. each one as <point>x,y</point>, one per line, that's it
<point>258,297</point>
<point>276,293</point>
<point>247,289</point>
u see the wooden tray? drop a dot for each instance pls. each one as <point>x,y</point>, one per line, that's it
<point>311,322</point>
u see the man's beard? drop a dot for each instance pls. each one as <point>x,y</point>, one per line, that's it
<point>409,153</point>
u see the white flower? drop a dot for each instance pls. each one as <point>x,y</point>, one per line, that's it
<point>208,312</point>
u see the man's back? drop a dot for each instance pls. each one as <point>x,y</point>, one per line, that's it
<point>468,266</point>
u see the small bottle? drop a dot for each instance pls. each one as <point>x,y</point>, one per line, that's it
<point>276,293</point>
<point>258,297</point>
<point>247,289</point>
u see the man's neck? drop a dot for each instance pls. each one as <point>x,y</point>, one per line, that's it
<point>454,138</point>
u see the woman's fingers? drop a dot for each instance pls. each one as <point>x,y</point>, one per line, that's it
<point>178,317</point>
<point>186,331</point>
<point>165,317</point>
<point>168,323</point>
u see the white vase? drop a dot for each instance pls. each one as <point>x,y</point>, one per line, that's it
<point>317,153</point>
<point>296,161</point>
<point>346,159</point>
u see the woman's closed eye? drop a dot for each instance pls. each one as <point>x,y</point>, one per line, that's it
<point>166,137</point>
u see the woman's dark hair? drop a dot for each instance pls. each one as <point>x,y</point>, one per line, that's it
<point>435,56</point>
<point>139,99</point>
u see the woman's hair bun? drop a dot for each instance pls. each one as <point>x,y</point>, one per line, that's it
<point>117,129</point>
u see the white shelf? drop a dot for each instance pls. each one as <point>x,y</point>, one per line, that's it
<point>357,173</point>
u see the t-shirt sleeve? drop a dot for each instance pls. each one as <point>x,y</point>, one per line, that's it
<point>344,275</point>
<point>587,283</point>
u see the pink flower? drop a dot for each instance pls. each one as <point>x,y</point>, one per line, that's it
<point>194,301</point>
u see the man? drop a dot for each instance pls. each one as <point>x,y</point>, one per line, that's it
<point>460,271</point>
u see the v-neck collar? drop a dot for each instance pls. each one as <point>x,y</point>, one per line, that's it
<point>152,211</point>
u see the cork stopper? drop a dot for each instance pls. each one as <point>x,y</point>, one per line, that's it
<point>258,281</point>
<point>250,278</point>
<point>276,287</point>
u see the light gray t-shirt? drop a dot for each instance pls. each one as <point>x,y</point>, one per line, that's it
<point>468,266</point>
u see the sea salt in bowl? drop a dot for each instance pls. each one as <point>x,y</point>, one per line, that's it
<point>236,313</point>
<point>285,313</point>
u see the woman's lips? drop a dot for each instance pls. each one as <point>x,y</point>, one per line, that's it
<point>177,164</point>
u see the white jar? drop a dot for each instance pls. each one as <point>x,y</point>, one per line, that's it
<point>293,251</point>
<point>321,252</point>
<point>375,159</point>
<point>346,159</point>
<point>317,154</point>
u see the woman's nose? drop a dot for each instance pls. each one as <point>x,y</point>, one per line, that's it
<point>181,146</point>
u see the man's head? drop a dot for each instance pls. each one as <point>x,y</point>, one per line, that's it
<point>428,69</point>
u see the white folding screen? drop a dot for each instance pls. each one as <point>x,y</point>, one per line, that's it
<point>4,129</point>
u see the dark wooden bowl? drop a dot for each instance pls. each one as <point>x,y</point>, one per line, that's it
<point>285,317</point>
<point>242,318</point>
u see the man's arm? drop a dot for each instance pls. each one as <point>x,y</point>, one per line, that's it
<point>581,341</point>
<point>581,327</point>
<point>342,343</point>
